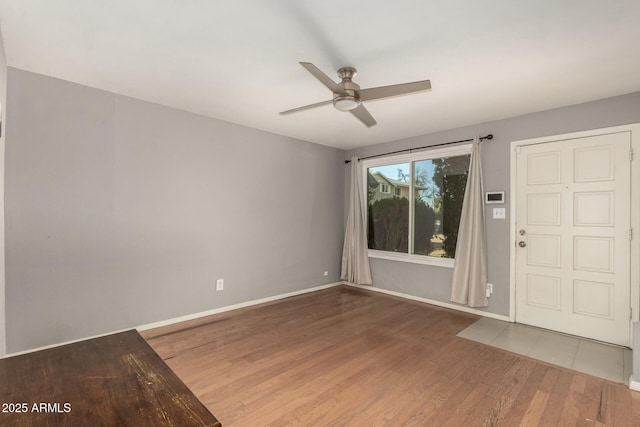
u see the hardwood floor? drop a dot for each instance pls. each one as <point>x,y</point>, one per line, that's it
<point>349,357</point>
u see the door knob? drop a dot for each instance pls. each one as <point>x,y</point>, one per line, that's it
<point>522,244</point>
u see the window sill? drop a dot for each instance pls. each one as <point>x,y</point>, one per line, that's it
<point>414,259</point>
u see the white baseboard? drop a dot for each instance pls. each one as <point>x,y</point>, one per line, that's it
<point>233,307</point>
<point>634,385</point>
<point>432,302</point>
<point>182,318</point>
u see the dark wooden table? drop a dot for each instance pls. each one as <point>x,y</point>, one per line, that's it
<point>116,380</point>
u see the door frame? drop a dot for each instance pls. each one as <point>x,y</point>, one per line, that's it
<point>634,129</point>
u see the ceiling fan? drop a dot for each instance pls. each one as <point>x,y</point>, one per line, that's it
<point>347,95</point>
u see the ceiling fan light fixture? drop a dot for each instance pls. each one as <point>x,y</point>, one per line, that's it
<point>345,102</point>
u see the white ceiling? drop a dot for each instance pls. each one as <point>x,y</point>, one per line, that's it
<point>238,60</point>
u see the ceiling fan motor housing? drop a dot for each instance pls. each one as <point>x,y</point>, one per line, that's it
<point>349,100</point>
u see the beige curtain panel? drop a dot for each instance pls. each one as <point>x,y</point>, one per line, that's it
<point>355,259</point>
<point>470,270</point>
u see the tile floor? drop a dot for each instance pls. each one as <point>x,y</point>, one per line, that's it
<point>597,359</point>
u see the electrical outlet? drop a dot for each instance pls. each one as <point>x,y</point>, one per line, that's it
<point>489,289</point>
<point>326,273</point>
<point>499,213</point>
<point>219,284</point>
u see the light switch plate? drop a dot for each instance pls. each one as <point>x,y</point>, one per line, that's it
<point>499,213</point>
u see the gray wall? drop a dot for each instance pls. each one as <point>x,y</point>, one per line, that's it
<point>120,212</point>
<point>435,282</point>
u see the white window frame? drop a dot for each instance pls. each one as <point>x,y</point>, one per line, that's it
<point>383,186</point>
<point>397,191</point>
<point>436,153</point>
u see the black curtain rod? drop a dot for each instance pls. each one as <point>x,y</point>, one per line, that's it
<point>482,138</point>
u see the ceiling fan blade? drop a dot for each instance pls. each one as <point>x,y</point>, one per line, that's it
<point>393,90</point>
<point>306,107</point>
<point>363,115</point>
<point>324,79</point>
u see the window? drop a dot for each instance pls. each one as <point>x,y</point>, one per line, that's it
<point>388,226</point>
<point>419,222</point>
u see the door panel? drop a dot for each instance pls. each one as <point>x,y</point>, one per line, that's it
<point>594,164</point>
<point>593,209</point>
<point>543,291</point>
<point>544,168</point>
<point>573,221</point>
<point>594,254</point>
<point>544,209</point>
<point>593,299</point>
<point>543,250</point>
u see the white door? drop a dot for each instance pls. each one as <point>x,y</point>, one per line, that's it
<point>573,230</point>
